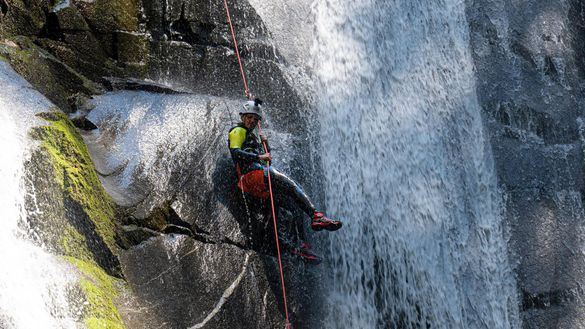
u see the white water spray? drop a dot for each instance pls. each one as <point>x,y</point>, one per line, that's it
<point>151,136</point>
<point>409,170</point>
<point>32,282</point>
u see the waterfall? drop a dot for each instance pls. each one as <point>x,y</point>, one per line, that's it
<point>409,169</point>
<point>33,283</point>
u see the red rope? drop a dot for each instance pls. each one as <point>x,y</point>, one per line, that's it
<point>227,10</point>
<point>275,232</point>
<point>267,166</point>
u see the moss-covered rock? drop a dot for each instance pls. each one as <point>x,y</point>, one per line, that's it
<point>70,19</point>
<point>100,292</point>
<point>46,73</point>
<point>19,17</point>
<point>108,16</point>
<point>82,224</point>
<point>75,218</point>
<point>132,53</point>
<point>132,47</point>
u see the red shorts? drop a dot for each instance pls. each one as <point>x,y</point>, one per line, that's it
<point>253,184</point>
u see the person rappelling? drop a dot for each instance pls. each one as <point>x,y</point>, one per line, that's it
<point>251,162</point>
<point>253,170</point>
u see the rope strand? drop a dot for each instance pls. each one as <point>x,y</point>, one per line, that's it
<point>227,10</point>
<point>275,232</point>
<point>249,96</point>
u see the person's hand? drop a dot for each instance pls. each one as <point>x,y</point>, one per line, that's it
<point>265,157</point>
<point>263,138</point>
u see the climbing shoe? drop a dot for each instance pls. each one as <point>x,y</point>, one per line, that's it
<point>305,253</point>
<point>320,222</point>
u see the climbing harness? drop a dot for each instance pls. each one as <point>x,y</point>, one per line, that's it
<point>288,326</point>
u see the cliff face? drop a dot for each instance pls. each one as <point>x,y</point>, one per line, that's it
<point>185,253</point>
<point>529,61</point>
<point>176,255</point>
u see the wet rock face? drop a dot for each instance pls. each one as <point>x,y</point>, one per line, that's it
<point>529,59</point>
<point>191,45</point>
<point>179,168</point>
<point>172,151</point>
<point>190,284</point>
<point>95,38</point>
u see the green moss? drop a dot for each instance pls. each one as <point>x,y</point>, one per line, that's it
<point>100,291</point>
<point>102,324</point>
<point>74,244</point>
<point>76,175</point>
<point>15,53</point>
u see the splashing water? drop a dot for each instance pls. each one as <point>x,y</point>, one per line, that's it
<point>152,136</point>
<point>32,282</point>
<point>409,169</point>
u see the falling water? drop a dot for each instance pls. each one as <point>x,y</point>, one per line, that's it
<point>409,169</point>
<point>32,282</point>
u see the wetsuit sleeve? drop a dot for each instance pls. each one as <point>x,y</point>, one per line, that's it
<point>236,138</point>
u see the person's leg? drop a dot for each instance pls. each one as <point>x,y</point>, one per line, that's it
<point>284,186</point>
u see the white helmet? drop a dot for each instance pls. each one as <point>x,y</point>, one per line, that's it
<point>252,107</point>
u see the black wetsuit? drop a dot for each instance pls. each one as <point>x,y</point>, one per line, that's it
<point>245,147</point>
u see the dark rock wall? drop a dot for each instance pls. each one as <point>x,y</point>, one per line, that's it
<point>179,42</point>
<point>72,43</point>
<point>191,45</point>
<point>529,61</point>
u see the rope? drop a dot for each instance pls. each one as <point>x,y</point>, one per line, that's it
<point>227,10</point>
<point>275,231</point>
<point>249,96</point>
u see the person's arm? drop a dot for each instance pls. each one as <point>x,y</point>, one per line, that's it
<point>240,154</point>
<point>237,137</point>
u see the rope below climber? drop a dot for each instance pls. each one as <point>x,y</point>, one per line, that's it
<point>245,150</point>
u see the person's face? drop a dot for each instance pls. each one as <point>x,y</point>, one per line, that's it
<point>250,120</point>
